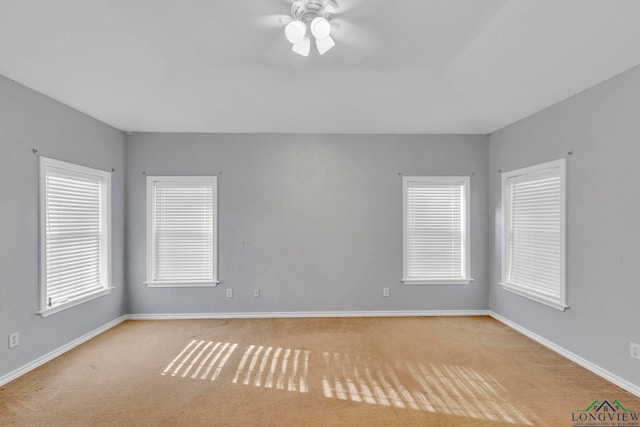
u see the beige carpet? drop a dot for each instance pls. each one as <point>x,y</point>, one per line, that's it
<point>457,371</point>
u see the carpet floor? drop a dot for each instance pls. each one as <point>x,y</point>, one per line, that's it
<point>440,371</point>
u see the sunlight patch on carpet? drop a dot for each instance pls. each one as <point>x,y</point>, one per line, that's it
<point>423,386</point>
<point>279,368</point>
<point>452,390</point>
<point>200,356</point>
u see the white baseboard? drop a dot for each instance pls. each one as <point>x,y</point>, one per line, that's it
<point>59,351</point>
<point>622,383</point>
<point>294,314</point>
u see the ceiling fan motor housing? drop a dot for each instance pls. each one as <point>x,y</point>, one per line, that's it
<point>306,10</point>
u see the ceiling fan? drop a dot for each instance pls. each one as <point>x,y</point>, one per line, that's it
<point>310,16</point>
<point>319,22</point>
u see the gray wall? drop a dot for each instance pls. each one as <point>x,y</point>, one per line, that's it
<point>30,120</point>
<point>601,127</point>
<point>313,221</point>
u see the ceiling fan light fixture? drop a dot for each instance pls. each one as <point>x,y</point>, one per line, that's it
<point>295,31</point>
<point>324,45</point>
<point>320,28</point>
<point>310,20</point>
<point>303,47</point>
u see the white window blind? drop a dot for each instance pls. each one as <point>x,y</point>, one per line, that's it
<point>75,243</point>
<point>534,240</point>
<point>436,225</point>
<point>182,231</point>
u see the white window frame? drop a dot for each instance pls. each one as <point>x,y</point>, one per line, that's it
<point>71,169</point>
<point>556,168</point>
<point>151,215</point>
<point>466,251</point>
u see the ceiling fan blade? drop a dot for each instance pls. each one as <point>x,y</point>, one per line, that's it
<point>271,21</point>
<point>342,6</point>
<point>345,31</point>
<point>353,44</point>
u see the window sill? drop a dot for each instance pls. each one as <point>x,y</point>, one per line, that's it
<point>411,282</point>
<point>182,284</point>
<point>72,303</point>
<point>558,305</point>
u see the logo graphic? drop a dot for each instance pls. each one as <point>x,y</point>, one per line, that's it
<point>606,413</point>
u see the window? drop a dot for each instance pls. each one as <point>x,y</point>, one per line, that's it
<point>436,230</point>
<point>533,252</point>
<point>75,230</point>
<point>182,227</point>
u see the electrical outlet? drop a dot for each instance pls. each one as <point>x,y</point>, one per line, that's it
<point>635,350</point>
<point>256,293</point>
<point>385,292</point>
<point>14,339</point>
<point>229,293</point>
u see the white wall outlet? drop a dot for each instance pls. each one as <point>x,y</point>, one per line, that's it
<point>229,293</point>
<point>635,350</point>
<point>256,293</point>
<point>385,292</point>
<point>14,339</point>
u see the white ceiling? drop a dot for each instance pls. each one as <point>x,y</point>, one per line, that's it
<point>408,66</point>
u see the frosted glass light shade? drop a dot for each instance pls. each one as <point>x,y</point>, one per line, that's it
<point>324,45</point>
<point>295,31</point>
<point>303,47</point>
<point>320,28</point>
